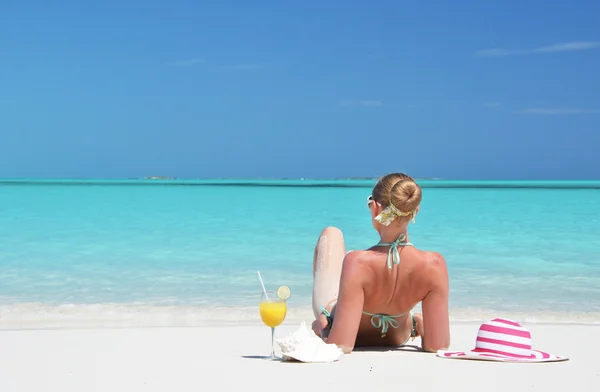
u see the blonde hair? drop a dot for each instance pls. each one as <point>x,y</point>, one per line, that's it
<point>400,190</point>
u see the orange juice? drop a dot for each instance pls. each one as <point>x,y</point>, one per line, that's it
<point>272,313</point>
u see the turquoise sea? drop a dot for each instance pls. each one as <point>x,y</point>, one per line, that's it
<point>181,250</point>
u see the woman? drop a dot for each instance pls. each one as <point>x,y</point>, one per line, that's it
<point>364,297</point>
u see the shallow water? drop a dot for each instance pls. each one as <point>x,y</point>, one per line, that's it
<point>523,248</point>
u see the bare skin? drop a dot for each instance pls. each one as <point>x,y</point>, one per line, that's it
<point>365,283</point>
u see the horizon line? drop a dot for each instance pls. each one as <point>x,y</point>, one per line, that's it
<point>299,183</point>
<point>358,178</point>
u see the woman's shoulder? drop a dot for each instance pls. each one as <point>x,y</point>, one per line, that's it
<point>355,255</point>
<point>433,259</point>
<point>357,259</point>
<point>434,267</point>
<point>360,254</point>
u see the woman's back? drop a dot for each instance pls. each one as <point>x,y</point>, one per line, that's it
<point>378,287</point>
<point>399,289</point>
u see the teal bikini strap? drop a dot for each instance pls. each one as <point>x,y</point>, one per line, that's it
<point>384,321</point>
<point>327,316</point>
<point>393,254</point>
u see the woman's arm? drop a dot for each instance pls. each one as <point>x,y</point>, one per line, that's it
<point>348,310</point>
<point>436,322</point>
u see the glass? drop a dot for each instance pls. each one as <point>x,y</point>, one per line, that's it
<point>272,312</point>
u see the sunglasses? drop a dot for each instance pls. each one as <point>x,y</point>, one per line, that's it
<point>369,201</point>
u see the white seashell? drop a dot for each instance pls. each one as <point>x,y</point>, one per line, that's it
<point>305,346</point>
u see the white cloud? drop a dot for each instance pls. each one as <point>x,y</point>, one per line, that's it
<point>568,47</point>
<point>186,63</point>
<point>556,48</point>
<point>556,111</point>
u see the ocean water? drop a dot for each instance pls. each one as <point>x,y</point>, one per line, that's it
<point>185,252</point>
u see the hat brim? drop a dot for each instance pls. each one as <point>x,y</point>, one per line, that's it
<point>537,356</point>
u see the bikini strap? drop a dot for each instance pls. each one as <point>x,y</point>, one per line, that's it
<point>393,254</point>
<point>327,315</point>
<point>384,321</point>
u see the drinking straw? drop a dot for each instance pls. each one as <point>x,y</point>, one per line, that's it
<point>263,285</point>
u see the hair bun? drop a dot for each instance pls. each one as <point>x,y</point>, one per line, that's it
<point>400,190</point>
<point>406,195</point>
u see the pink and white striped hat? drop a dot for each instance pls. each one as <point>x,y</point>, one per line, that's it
<point>502,340</point>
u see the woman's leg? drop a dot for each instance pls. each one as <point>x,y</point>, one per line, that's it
<point>327,269</point>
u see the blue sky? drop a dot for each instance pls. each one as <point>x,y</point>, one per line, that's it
<point>465,90</point>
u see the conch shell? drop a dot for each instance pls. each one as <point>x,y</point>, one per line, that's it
<point>305,346</point>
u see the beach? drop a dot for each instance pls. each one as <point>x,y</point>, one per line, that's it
<point>228,358</point>
<point>175,176</point>
<point>137,286</point>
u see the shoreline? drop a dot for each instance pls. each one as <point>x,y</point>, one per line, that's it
<point>100,316</point>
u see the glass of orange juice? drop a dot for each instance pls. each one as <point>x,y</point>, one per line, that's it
<point>273,309</point>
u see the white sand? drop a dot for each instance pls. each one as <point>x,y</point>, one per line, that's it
<point>218,359</point>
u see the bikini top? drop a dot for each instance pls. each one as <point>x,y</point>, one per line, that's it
<point>379,320</point>
<point>384,321</point>
<point>393,254</point>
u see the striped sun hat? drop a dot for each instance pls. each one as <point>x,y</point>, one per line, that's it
<point>502,340</point>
